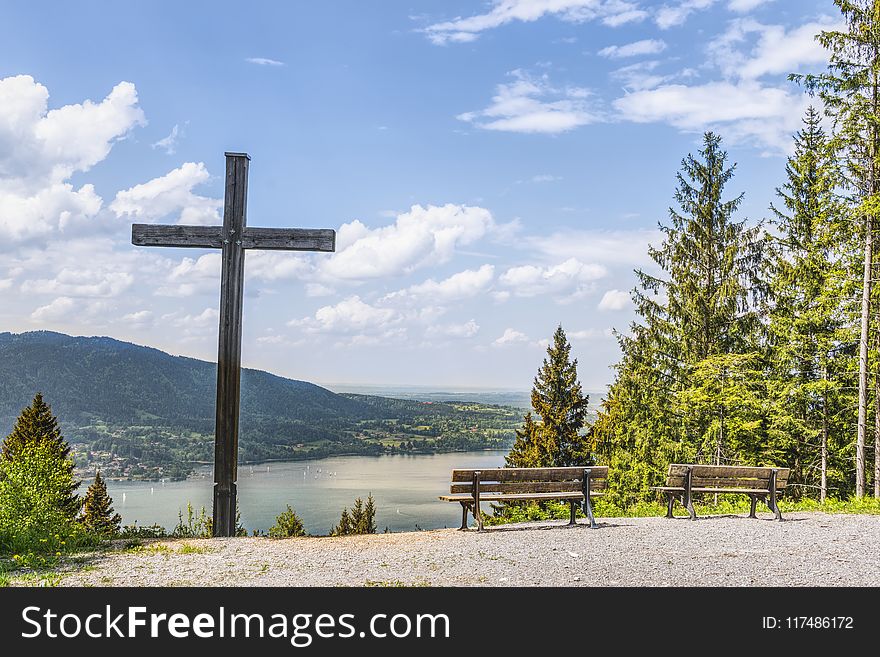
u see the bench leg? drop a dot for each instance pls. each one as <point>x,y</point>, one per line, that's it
<point>464,512</point>
<point>588,510</point>
<point>754,504</point>
<point>773,506</point>
<point>689,504</point>
<point>669,504</point>
<point>571,520</point>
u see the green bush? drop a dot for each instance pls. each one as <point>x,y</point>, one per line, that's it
<point>360,519</point>
<point>36,515</point>
<point>199,525</point>
<point>287,524</point>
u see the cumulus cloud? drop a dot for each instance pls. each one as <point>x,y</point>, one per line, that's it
<point>741,105</point>
<point>673,15</point>
<point>635,49</point>
<point>463,285</point>
<point>421,237</point>
<point>82,281</point>
<point>463,30</point>
<point>510,337</point>
<point>744,6</point>
<point>531,105</point>
<point>58,309</point>
<point>466,330</point>
<point>744,110</point>
<point>614,300</point>
<point>170,195</point>
<point>569,279</point>
<point>354,322</point>
<point>40,149</point>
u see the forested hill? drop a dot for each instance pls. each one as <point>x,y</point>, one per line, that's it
<point>137,411</point>
<point>88,379</point>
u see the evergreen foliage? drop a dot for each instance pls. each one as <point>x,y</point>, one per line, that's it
<point>97,510</point>
<point>699,315</point>
<point>360,519</point>
<point>287,524</point>
<point>850,91</point>
<point>35,506</point>
<point>559,402</point>
<point>36,426</point>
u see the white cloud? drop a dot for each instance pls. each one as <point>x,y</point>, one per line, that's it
<point>672,15</point>
<point>776,51</point>
<point>193,276</point>
<point>40,149</point>
<point>355,321</point>
<point>421,237</point>
<point>614,300</point>
<point>463,30</point>
<point>169,143</point>
<point>743,111</point>
<point>623,247</point>
<point>81,281</point>
<point>263,61</point>
<point>641,75</point>
<point>170,194</point>
<point>138,318</point>
<point>569,279</point>
<point>545,177</point>
<point>510,337</point>
<point>743,6</point>
<point>58,309</point>
<point>634,49</point>
<point>532,105</point>
<point>590,334</point>
<point>467,330</point>
<point>463,285</point>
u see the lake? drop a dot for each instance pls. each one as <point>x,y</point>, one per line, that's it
<point>404,487</point>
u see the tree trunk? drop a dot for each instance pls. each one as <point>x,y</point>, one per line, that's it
<point>823,485</point>
<point>863,358</point>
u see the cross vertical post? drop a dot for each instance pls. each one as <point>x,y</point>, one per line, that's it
<point>233,237</point>
<point>229,346</point>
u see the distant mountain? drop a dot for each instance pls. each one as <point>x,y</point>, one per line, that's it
<point>144,406</point>
<point>99,378</point>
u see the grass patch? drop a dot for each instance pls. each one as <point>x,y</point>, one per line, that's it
<point>727,505</point>
<point>189,548</point>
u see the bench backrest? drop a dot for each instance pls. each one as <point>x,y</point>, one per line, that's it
<point>530,480</point>
<point>725,476</point>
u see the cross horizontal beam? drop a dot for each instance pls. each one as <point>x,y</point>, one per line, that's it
<point>212,237</point>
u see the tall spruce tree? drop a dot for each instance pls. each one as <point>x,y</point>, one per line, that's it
<point>559,402</point>
<point>810,288</point>
<point>851,92</point>
<point>702,306</point>
<point>97,510</point>
<point>37,426</point>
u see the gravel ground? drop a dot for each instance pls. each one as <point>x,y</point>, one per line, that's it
<point>807,549</point>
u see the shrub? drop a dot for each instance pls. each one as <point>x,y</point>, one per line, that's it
<point>287,524</point>
<point>361,519</point>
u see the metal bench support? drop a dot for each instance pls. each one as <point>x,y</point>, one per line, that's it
<point>464,512</point>
<point>772,503</point>
<point>588,507</point>
<point>478,516</point>
<point>688,495</point>
<point>754,504</point>
<point>669,503</point>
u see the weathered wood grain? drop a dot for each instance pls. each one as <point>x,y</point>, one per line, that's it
<point>289,239</point>
<point>532,474</point>
<point>201,237</point>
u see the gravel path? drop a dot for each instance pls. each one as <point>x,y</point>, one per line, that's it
<point>806,549</point>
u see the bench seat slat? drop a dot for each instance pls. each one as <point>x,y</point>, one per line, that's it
<point>531,474</point>
<point>528,487</point>
<point>679,469</point>
<point>514,497</point>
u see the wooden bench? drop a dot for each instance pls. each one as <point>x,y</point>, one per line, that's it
<point>683,480</point>
<point>571,484</point>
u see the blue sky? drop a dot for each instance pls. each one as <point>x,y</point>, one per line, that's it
<point>493,169</point>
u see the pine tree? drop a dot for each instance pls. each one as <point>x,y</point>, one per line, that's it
<point>37,426</point>
<point>850,91</point>
<point>810,288</point>
<point>700,308</point>
<point>287,524</point>
<point>360,519</point>
<point>97,510</point>
<point>558,400</point>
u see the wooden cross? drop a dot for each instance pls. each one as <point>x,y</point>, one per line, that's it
<point>233,238</point>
